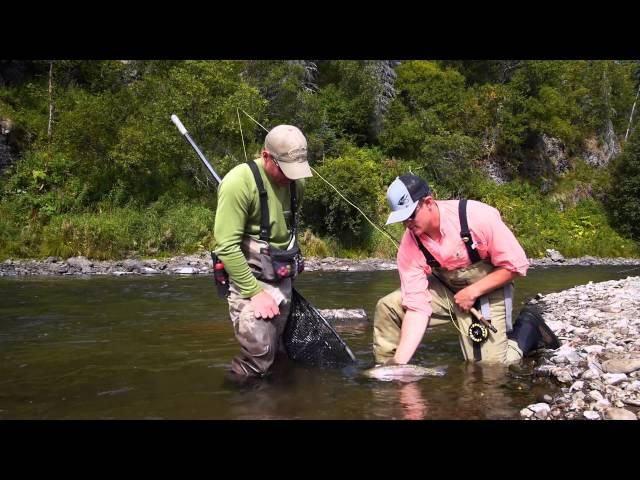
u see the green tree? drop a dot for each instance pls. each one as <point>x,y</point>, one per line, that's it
<point>624,197</point>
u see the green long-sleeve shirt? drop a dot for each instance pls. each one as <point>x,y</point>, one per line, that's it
<point>238,214</point>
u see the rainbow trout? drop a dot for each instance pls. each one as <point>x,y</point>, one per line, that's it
<point>407,372</point>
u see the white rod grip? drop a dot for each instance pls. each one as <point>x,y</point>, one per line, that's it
<point>176,120</point>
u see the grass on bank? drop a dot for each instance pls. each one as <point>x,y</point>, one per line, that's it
<point>166,230</point>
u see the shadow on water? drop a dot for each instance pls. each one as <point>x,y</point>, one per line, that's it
<point>157,348</point>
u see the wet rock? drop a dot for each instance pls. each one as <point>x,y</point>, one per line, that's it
<point>526,413</point>
<point>185,270</point>
<point>591,415</point>
<point>619,414</point>
<point>344,314</point>
<point>566,354</point>
<point>540,410</point>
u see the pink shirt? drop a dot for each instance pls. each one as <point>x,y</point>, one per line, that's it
<point>494,239</point>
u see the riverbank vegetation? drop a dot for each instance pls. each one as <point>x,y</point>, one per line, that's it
<point>91,164</point>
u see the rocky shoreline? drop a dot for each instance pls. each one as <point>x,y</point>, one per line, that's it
<point>598,364</point>
<point>200,263</point>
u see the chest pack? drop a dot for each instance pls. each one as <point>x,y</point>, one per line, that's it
<point>277,264</point>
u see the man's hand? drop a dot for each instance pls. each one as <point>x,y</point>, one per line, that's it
<point>264,306</point>
<point>465,298</point>
<point>411,333</point>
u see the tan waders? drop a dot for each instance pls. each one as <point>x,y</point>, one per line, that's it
<point>496,307</point>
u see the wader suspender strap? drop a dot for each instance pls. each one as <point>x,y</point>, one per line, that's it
<point>431,261</point>
<point>294,208</point>
<point>265,226</point>
<point>465,234</point>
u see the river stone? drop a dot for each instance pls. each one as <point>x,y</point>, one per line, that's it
<point>619,414</point>
<point>541,410</point>
<point>602,404</point>
<point>591,415</point>
<point>131,265</point>
<point>614,378</point>
<point>81,263</point>
<point>356,314</point>
<point>55,267</point>
<point>185,270</point>
<point>621,365</point>
<point>593,348</point>
<point>577,404</point>
<point>577,385</point>
<point>148,270</point>
<point>526,413</point>
<point>554,255</point>
<point>595,395</point>
<point>590,374</point>
<point>633,386</point>
<point>564,377</point>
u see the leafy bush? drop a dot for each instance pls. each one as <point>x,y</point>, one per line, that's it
<point>624,196</point>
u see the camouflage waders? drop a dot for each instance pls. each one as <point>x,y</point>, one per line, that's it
<point>259,339</point>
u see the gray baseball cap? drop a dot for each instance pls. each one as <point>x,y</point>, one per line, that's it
<point>403,195</point>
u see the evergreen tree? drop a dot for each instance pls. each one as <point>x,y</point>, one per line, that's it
<point>624,196</point>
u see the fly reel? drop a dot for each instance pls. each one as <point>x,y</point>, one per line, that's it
<point>478,332</point>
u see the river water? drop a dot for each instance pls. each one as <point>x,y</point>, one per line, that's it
<point>156,347</point>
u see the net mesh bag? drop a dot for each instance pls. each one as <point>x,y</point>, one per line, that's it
<point>310,339</point>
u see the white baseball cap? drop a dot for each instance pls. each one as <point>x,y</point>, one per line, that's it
<point>403,195</point>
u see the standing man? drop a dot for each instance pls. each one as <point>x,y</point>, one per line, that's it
<point>255,230</point>
<point>466,245</point>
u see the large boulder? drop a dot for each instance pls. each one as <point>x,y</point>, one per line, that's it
<point>554,255</point>
<point>80,263</point>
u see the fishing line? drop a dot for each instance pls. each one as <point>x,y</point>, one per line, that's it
<point>327,182</point>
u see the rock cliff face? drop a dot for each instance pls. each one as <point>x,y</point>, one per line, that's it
<point>599,154</point>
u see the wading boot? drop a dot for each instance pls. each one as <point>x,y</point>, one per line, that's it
<point>531,333</point>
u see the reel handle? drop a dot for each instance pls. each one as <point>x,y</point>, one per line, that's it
<point>481,319</point>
